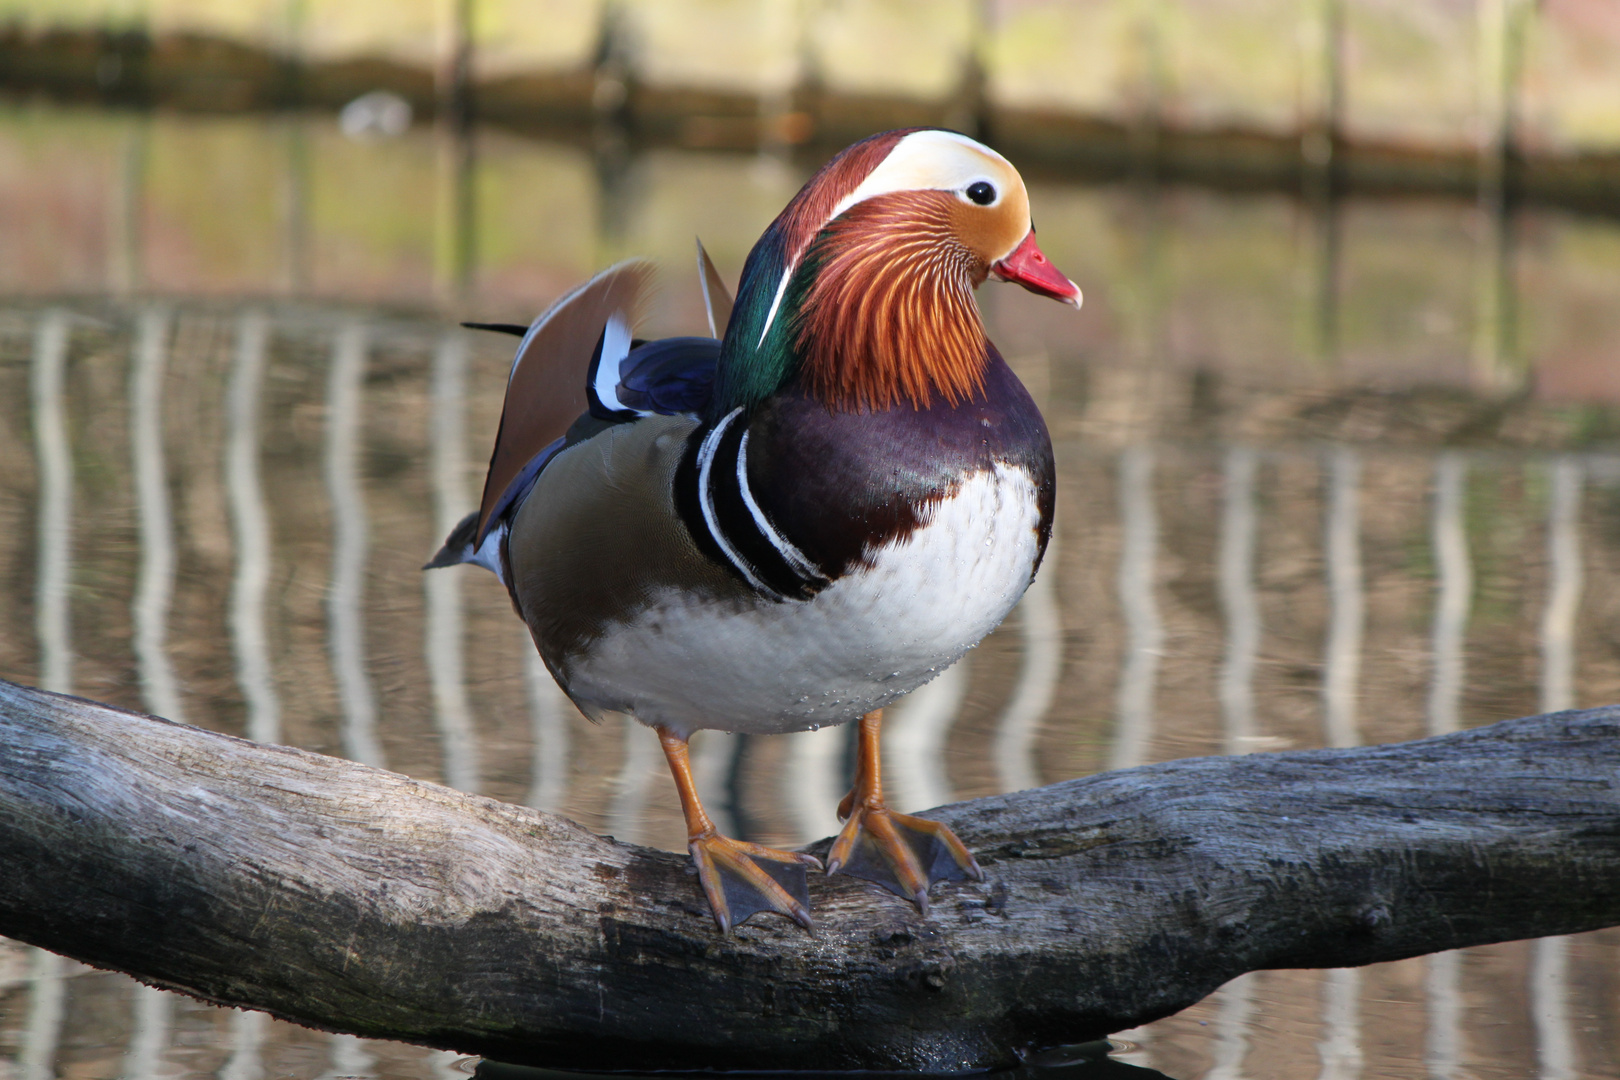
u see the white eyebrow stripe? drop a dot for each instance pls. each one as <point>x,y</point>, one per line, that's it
<point>900,172</point>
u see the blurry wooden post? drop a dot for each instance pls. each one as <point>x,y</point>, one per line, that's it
<point>1321,125</point>
<point>1501,46</point>
<point>1146,105</point>
<point>456,252</point>
<point>293,207</point>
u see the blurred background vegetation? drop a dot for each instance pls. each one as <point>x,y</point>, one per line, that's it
<point>1529,78</point>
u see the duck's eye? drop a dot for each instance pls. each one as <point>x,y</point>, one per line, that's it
<point>981,192</point>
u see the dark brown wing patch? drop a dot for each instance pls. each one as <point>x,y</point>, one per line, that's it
<point>546,392</point>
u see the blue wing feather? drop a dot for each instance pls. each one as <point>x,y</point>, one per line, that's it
<point>669,376</point>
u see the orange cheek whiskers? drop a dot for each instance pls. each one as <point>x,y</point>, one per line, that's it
<point>890,315</point>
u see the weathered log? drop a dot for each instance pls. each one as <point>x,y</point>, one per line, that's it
<point>353,899</point>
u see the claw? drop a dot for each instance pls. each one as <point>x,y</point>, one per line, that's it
<point>903,854</point>
<point>741,880</point>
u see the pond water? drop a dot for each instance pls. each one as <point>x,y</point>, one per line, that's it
<point>1329,473</point>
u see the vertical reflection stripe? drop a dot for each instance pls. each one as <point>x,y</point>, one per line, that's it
<point>1454,589</point>
<point>915,731</point>
<point>1239,607</point>
<point>55,464</point>
<point>714,760</point>
<point>47,989</point>
<point>1563,586</point>
<point>1144,630</point>
<point>814,781</point>
<point>549,710</point>
<point>250,524</point>
<point>346,624</point>
<point>350,1059</point>
<point>1346,606</point>
<point>445,630</point>
<point>1340,1048</point>
<point>247,1037</point>
<point>154,590</point>
<point>155,586</point>
<point>1233,1017</point>
<point>1443,1049</point>
<point>1041,626</point>
<point>47,1007</point>
<point>1549,965</point>
<point>153,1017</point>
<point>627,819</point>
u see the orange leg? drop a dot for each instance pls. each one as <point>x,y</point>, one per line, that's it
<point>740,879</point>
<point>903,854</point>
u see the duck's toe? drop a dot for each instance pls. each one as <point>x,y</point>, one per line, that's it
<point>742,879</point>
<point>904,854</point>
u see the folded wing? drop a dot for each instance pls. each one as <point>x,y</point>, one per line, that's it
<point>547,390</point>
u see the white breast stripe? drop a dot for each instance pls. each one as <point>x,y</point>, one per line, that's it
<point>706,451</point>
<point>795,558</point>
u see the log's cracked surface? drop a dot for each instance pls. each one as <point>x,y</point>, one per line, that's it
<point>344,897</point>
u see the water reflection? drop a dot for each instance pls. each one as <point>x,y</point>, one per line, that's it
<point>445,633</point>
<point>350,540</point>
<point>250,528</point>
<point>55,510</point>
<point>1144,632</point>
<point>1085,1061</point>
<point>1549,967</point>
<point>1443,1050</point>
<point>1267,536</point>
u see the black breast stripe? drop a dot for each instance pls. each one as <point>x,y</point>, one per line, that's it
<point>728,525</point>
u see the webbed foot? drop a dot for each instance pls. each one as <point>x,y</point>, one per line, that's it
<point>904,854</point>
<point>742,879</point>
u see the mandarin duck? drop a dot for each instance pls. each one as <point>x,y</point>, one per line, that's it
<point>793,523</point>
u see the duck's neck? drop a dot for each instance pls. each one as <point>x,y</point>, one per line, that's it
<point>879,312</point>
<point>887,313</point>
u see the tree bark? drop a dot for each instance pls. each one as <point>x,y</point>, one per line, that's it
<point>352,899</point>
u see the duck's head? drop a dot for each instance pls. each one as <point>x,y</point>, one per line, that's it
<point>862,289</point>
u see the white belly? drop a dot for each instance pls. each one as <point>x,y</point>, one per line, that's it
<point>876,633</point>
